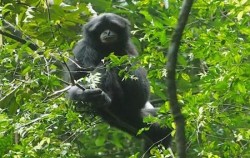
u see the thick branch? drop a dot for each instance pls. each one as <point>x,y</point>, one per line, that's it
<point>171,66</point>
<point>11,28</point>
<point>16,38</point>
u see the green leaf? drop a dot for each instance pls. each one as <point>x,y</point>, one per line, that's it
<point>100,141</point>
<point>241,88</point>
<point>57,2</point>
<point>26,70</point>
<point>185,77</point>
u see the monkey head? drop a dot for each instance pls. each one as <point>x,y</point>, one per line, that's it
<point>107,30</point>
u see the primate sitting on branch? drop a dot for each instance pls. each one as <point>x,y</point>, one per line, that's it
<point>122,103</point>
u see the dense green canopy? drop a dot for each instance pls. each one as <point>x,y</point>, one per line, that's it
<point>213,77</point>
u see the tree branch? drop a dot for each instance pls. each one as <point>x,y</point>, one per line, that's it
<point>17,38</point>
<point>16,34</point>
<point>171,66</point>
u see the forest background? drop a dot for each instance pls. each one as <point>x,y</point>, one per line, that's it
<point>213,77</point>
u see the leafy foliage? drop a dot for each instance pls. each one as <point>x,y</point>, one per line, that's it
<point>36,119</point>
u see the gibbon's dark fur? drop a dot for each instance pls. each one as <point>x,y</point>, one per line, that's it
<point>122,103</point>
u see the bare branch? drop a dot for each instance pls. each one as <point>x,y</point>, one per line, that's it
<point>16,38</point>
<point>171,66</point>
<point>10,31</point>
